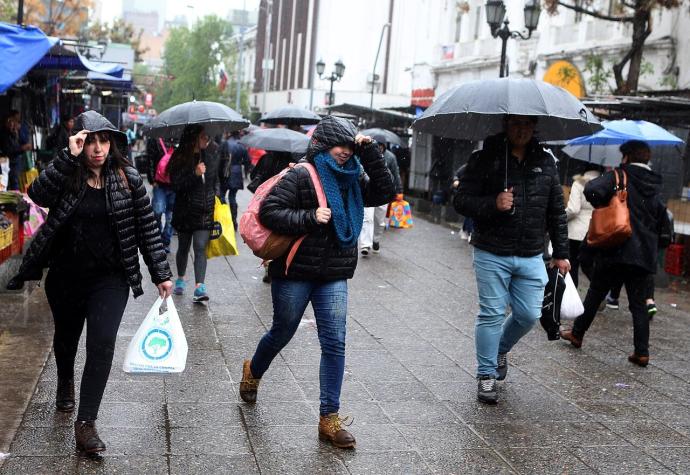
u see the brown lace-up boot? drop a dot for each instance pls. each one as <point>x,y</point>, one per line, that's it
<point>64,397</point>
<point>87,437</point>
<point>331,430</point>
<point>639,360</point>
<point>249,385</point>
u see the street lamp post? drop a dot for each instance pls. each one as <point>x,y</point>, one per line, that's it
<point>336,75</point>
<point>496,11</point>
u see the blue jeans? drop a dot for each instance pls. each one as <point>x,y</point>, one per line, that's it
<point>329,301</point>
<point>503,280</point>
<point>163,203</point>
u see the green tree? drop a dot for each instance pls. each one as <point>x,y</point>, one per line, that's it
<point>118,32</point>
<point>638,13</point>
<point>63,18</point>
<point>192,59</point>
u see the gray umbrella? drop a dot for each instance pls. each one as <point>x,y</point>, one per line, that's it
<point>215,117</point>
<point>277,140</point>
<point>391,137</point>
<point>476,110</point>
<point>291,115</point>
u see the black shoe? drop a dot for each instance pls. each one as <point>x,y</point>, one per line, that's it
<point>15,284</point>
<point>64,397</point>
<point>376,247</point>
<point>502,368</point>
<point>486,389</point>
<point>612,303</point>
<point>651,310</point>
<point>87,437</point>
<point>365,252</point>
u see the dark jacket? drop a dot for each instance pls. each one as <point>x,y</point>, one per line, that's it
<point>154,153</point>
<point>538,201</point>
<point>269,165</point>
<point>128,206</point>
<point>59,139</point>
<point>237,157</point>
<point>10,144</point>
<point>648,216</point>
<point>290,209</point>
<point>392,164</point>
<point>195,196</point>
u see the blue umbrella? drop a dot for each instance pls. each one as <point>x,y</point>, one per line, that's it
<point>603,146</point>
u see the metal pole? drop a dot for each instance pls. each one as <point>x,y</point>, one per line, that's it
<point>239,70</point>
<point>376,60</point>
<point>20,12</point>
<point>503,56</point>
<point>267,41</point>
<point>330,94</point>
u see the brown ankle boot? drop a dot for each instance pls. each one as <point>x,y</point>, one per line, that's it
<point>331,430</point>
<point>249,385</point>
<point>568,335</point>
<point>87,437</point>
<point>64,396</point>
<point>639,360</point>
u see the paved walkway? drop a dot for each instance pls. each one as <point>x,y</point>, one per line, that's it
<point>409,385</point>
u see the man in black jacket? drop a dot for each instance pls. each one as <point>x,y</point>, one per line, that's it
<point>635,260</point>
<point>512,192</point>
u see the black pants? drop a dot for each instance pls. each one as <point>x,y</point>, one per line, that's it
<point>635,279</point>
<point>574,259</point>
<point>100,302</point>
<point>649,292</point>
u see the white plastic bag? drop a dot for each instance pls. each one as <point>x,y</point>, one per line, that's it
<point>159,345</point>
<point>571,305</point>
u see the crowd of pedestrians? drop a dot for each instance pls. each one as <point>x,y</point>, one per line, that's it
<point>101,218</point>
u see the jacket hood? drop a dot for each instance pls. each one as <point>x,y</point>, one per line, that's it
<point>330,132</point>
<point>497,143</point>
<point>646,182</point>
<point>95,122</point>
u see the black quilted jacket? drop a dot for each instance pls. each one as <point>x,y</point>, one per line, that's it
<point>195,197</point>
<point>538,201</point>
<point>290,208</point>
<point>129,207</point>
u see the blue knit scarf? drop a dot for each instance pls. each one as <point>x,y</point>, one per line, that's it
<point>338,181</point>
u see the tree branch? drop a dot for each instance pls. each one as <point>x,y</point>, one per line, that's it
<point>592,13</point>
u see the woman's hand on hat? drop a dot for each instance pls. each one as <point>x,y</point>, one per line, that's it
<point>363,139</point>
<point>77,141</point>
<point>323,215</point>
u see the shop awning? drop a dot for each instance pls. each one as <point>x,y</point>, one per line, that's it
<point>20,49</point>
<point>110,81</point>
<point>60,57</point>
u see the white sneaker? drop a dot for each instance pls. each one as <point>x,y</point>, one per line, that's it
<point>464,235</point>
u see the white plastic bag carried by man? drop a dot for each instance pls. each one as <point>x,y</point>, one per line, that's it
<point>159,345</point>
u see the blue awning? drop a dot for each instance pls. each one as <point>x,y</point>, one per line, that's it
<point>60,57</point>
<point>20,49</point>
<point>111,81</point>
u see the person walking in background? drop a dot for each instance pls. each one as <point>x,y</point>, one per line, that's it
<point>237,159</point>
<point>12,146</point>
<point>512,191</point>
<point>59,138</point>
<point>326,259</point>
<point>163,193</point>
<point>193,171</point>
<point>467,223</point>
<point>375,218</point>
<point>100,217</point>
<point>269,165</point>
<point>579,212</point>
<point>635,260</point>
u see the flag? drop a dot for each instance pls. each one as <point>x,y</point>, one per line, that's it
<point>447,51</point>
<point>223,80</point>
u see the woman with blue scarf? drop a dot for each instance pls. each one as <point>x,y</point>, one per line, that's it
<point>354,175</point>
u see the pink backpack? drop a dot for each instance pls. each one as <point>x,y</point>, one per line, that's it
<point>161,169</point>
<point>262,241</point>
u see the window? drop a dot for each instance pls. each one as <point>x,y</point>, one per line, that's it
<point>458,26</point>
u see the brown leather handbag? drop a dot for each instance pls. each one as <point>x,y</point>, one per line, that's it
<point>610,225</point>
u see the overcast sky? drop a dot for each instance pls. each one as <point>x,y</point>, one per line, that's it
<point>113,8</point>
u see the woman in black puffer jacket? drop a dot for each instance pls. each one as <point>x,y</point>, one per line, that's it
<point>193,170</point>
<point>100,215</point>
<point>353,174</point>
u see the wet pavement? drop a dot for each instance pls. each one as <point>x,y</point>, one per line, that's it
<point>409,385</point>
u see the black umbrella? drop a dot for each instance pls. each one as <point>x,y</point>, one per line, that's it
<point>277,140</point>
<point>477,110</point>
<point>291,115</point>
<point>214,117</point>
<point>391,137</point>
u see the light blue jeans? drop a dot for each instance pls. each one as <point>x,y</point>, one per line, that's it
<point>503,280</point>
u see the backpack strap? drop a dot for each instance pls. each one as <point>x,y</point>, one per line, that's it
<point>165,149</point>
<point>323,203</point>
